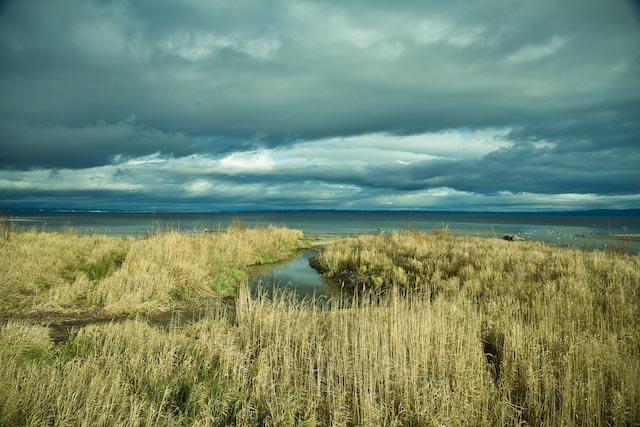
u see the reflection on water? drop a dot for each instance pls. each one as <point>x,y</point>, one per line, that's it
<point>297,276</point>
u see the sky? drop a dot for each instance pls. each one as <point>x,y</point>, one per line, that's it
<point>208,105</point>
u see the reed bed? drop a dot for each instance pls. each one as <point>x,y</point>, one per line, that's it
<point>391,362</point>
<point>66,273</point>
<point>560,326</point>
<point>471,332</point>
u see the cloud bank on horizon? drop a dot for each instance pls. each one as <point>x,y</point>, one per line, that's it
<point>216,105</point>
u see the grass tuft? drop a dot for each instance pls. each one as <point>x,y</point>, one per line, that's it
<point>104,266</point>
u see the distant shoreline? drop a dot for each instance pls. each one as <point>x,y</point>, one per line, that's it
<point>633,237</point>
<point>632,212</point>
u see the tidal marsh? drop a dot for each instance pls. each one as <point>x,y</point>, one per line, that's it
<point>453,331</point>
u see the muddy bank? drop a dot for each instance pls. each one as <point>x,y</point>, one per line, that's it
<point>342,280</point>
<point>62,324</point>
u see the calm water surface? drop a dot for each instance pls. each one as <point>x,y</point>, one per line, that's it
<point>558,229</point>
<point>296,276</point>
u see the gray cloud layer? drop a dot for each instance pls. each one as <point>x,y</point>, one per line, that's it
<point>89,84</point>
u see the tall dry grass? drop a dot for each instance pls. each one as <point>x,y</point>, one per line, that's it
<point>537,336</point>
<point>392,362</point>
<point>560,327</point>
<point>399,360</point>
<point>66,273</point>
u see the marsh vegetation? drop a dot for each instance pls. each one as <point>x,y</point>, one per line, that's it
<point>63,274</point>
<point>443,330</point>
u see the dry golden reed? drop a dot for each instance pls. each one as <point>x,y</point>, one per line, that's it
<point>66,273</point>
<point>459,332</point>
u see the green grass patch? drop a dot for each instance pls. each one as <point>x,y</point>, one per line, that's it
<point>77,345</point>
<point>104,266</point>
<point>228,281</point>
<point>181,293</point>
<point>266,259</point>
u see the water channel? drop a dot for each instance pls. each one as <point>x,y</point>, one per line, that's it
<point>294,276</point>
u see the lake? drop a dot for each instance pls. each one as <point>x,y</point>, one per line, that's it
<point>586,231</point>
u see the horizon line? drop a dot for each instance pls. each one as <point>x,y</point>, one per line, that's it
<point>389,211</point>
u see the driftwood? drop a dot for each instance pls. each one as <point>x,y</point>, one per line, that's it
<point>512,238</point>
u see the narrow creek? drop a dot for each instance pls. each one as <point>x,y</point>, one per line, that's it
<point>295,275</point>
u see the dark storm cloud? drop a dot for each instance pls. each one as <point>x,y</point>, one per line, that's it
<point>30,146</point>
<point>76,147</point>
<point>636,6</point>
<point>91,83</point>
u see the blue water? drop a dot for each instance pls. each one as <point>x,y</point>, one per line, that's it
<point>553,228</point>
